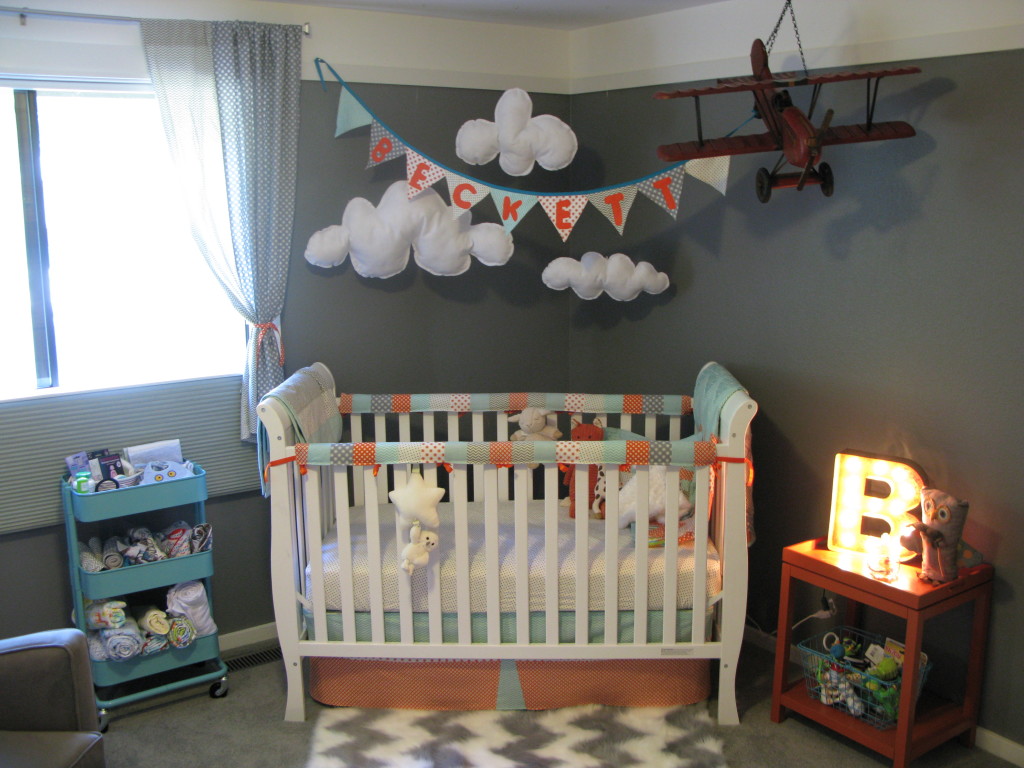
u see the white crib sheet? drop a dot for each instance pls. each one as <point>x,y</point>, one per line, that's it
<point>507,558</point>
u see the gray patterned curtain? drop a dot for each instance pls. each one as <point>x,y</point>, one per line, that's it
<point>229,100</point>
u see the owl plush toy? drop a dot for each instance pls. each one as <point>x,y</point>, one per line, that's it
<point>937,536</point>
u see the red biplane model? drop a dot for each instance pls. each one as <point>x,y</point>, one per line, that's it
<point>789,128</point>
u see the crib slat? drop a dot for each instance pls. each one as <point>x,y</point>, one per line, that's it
<point>503,474</point>
<point>650,426</point>
<point>404,579</point>
<point>434,579</point>
<point>380,435</point>
<point>374,563</point>
<point>358,490</point>
<point>643,500</point>
<point>582,540</point>
<point>700,556</point>
<point>611,554</point>
<point>522,476</point>
<point>342,526</point>
<point>491,555</point>
<point>551,520</point>
<point>670,601</point>
<point>314,542</point>
<point>675,427</point>
<point>459,479</point>
<point>477,420</point>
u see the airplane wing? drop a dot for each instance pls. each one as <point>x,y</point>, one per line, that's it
<point>731,145</point>
<point>853,134</point>
<point>783,80</point>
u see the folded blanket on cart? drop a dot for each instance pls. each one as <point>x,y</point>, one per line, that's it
<point>189,599</point>
<point>152,620</point>
<point>176,540</point>
<point>97,651</point>
<point>88,559</point>
<point>112,549</point>
<point>153,643</point>
<point>182,633</point>
<point>202,537</point>
<point>124,642</point>
<point>105,614</point>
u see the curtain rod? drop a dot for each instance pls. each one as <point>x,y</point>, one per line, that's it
<point>25,12</point>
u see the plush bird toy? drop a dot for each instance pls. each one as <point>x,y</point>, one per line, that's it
<point>937,536</point>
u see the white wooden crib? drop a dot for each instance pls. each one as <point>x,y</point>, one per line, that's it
<point>503,581</point>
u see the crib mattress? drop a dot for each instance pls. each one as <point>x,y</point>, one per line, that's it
<point>445,554</point>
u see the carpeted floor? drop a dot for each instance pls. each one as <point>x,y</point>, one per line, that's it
<point>246,730</point>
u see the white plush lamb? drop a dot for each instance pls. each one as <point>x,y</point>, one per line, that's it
<point>656,494</point>
<point>416,553</point>
<point>533,425</point>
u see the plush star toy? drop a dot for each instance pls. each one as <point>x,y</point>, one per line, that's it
<point>416,502</point>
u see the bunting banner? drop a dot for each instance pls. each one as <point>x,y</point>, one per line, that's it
<point>563,209</point>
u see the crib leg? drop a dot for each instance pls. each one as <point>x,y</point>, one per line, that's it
<point>295,704</point>
<point>728,714</point>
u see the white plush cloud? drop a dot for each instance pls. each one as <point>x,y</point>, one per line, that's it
<point>593,275</point>
<point>379,238</point>
<point>517,138</point>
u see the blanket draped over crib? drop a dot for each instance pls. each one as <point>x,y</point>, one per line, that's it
<point>512,576</point>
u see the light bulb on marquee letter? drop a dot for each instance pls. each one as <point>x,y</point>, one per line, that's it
<point>870,486</point>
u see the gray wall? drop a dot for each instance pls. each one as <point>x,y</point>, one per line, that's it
<point>883,319</point>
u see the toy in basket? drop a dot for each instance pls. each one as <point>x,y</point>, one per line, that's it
<point>858,673</point>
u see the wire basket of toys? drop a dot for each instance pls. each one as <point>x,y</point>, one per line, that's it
<point>858,673</point>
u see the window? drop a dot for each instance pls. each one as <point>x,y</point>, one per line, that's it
<point>101,283</point>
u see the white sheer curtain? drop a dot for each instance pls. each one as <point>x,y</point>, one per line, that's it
<point>229,99</point>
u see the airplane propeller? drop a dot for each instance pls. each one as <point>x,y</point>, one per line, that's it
<point>814,147</point>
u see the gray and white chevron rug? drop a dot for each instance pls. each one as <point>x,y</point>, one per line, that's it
<point>575,737</point>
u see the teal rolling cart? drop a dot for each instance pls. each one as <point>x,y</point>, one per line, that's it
<point>122,682</point>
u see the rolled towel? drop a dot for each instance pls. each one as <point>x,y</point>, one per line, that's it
<point>189,599</point>
<point>124,642</point>
<point>87,559</point>
<point>112,557</point>
<point>153,643</point>
<point>96,546</point>
<point>183,632</point>
<point>177,539</point>
<point>151,550</point>
<point>97,652</point>
<point>105,614</point>
<point>202,537</point>
<point>151,619</point>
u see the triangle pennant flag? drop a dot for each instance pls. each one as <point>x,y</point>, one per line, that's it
<point>464,193</point>
<point>512,206</point>
<point>564,211</point>
<point>713,171</point>
<point>420,172</point>
<point>384,145</point>
<point>664,189</point>
<point>351,114</point>
<point>614,204</point>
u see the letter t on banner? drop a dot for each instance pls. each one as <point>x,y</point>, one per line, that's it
<point>614,204</point>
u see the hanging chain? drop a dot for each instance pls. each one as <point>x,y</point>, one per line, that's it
<point>788,6</point>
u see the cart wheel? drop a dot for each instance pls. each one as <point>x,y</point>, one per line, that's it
<point>219,689</point>
<point>104,720</point>
<point>827,182</point>
<point>763,184</point>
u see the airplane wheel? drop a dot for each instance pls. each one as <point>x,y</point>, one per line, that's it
<point>827,182</point>
<point>763,184</point>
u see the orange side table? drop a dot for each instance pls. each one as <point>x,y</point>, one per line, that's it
<point>911,599</point>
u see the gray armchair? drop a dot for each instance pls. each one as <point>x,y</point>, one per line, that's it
<point>48,714</point>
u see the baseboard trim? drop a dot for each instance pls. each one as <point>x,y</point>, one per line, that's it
<point>243,638</point>
<point>987,740</point>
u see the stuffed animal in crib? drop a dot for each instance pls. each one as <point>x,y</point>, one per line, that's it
<point>656,493</point>
<point>595,475</point>
<point>937,536</point>
<point>416,502</point>
<point>416,553</point>
<point>533,425</point>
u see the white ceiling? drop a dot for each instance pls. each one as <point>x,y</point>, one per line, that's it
<point>552,14</point>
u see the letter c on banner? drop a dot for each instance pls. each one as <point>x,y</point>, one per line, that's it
<point>457,195</point>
